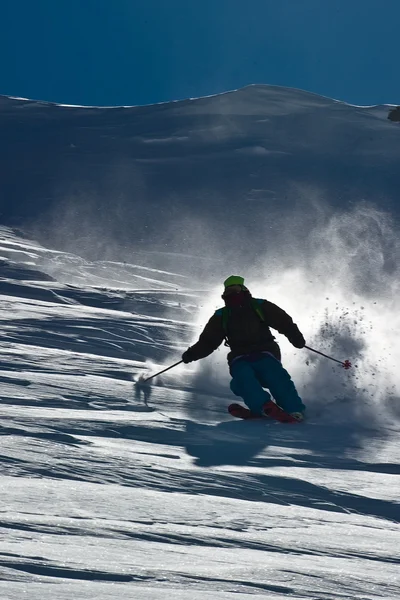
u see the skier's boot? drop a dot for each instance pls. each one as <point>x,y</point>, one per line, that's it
<point>299,416</point>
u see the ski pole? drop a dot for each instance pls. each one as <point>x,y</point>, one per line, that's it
<point>345,364</point>
<point>159,372</point>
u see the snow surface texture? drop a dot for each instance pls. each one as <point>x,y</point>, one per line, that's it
<point>118,227</point>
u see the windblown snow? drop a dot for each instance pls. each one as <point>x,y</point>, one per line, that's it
<point>118,226</point>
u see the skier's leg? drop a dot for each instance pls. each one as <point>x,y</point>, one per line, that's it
<point>272,375</point>
<point>246,385</point>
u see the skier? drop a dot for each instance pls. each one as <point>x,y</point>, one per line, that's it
<point>254,358</point>
<point>394,114</point>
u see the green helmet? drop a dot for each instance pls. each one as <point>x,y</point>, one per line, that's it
<point>234,280</point>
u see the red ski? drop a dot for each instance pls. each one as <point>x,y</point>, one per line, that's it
<point>271,410</point>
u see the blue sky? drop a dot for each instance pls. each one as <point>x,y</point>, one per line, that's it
<point>126,52</point>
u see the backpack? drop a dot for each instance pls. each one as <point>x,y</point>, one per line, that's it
<point>225,312</point>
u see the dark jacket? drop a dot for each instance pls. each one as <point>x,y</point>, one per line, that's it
<point>246,332</point>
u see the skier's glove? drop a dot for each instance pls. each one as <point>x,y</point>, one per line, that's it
<point>296,338</point>
<point>187,357</point>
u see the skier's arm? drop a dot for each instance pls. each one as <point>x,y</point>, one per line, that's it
<point>211,337</point>
<point>278,319</point>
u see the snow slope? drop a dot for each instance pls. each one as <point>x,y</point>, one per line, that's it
<point>113,490</point>
<point>239,164</point>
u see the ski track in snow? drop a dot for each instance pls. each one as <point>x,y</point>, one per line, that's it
<point>112,490</point>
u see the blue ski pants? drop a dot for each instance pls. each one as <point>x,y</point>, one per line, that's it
<point>250,376</point>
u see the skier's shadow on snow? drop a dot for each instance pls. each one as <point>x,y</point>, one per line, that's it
<point>228,443</point>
